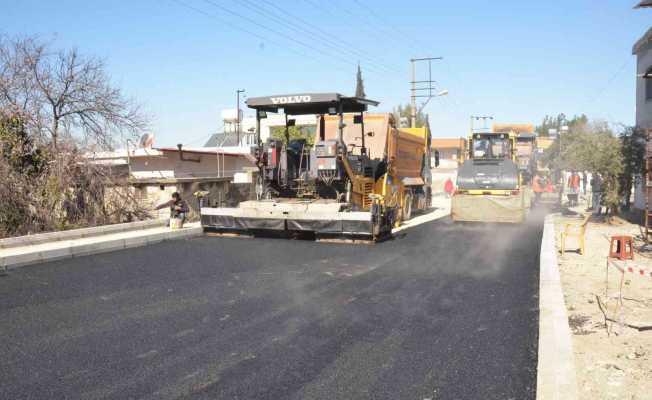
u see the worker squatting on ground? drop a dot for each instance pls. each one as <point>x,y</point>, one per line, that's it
<point>178,208</point>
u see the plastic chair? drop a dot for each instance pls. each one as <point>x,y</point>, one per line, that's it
<point>622,248</point>
<point>576,231</point>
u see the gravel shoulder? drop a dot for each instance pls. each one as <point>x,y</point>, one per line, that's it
<point>612,357</point>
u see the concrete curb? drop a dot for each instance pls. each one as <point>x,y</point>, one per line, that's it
<point>41,238</point>
<point>44,252</point>
<point>556,378</point>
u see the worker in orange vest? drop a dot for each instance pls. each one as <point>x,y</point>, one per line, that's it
<point>537,187</point>
<point>573,189</point>
<point>550,188</point>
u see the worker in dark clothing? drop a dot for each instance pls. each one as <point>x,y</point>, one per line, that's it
<point>596,188</point>
<point>178,207</point>
<point>538,187</point>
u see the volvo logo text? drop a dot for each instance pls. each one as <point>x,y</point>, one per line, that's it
<point>291,99</point>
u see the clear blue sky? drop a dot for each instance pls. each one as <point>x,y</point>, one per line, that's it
<point>516,60</point>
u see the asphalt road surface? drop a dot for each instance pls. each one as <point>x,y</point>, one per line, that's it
<point>444,311</point>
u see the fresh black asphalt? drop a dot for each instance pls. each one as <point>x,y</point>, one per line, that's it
<point>443,311</point>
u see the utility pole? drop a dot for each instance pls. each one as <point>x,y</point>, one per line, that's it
<point>237,125</point>
<point>423,85</point>
<point>413,99</point>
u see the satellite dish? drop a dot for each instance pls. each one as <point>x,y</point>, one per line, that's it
<point>146,141</point>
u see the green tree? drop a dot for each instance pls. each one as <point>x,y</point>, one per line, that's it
<point>306,133</point>
<point>406,112</point>
<point>17,148</point>
<point>590,147</point>
<point>555,156</point>
<point>556,122</point>
<point>633,153</point>
<point>359,85</point>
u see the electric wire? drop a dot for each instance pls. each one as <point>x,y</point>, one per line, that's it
<point>275,31</point>
<point>252,33</point>
<point>324,35</point>
<point>379,28</point>
<point>611,80</point>
<point>289,25</point>
<point>328,10</point>
<point>411,41</point>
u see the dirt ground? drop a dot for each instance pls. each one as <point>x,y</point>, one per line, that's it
<point>613,357</point>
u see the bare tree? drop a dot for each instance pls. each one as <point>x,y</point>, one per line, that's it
<point>64,93</point>
<point>18,91</point>
<point>54,105</point>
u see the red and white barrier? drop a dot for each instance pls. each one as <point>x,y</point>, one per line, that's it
<point>631,268</point>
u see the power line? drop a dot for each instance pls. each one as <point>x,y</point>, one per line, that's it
<point>354,15</point>
<point>328,10</point>
<point>323,35</point>
<point>291,25</point>
<point>276,32</point>
<point>384,22</point>
<point>611,80</point>
<point>249,32</point>
<point>379,28</point>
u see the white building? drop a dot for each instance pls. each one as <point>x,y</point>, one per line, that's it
<point>643,52</point>
<point>155,173</point>
<point>229,139</point>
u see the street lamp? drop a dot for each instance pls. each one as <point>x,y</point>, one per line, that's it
<point>440,94</point>
<point>238,113</point>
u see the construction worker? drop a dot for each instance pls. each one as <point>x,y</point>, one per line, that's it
<point>178,208</point>
<point>596,189</point>
<point>449,187</point>
<point>549,187</point>
<point>538,186</point>
<point>573,188</point>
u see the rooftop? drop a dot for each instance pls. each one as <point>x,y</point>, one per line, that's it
<point>153,152</point>
<point>222,139</point>
<point>447,143</point>
<point>646,40</point>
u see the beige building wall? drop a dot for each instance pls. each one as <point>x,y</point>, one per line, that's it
<point>170,165</point>
<point>162,175</point>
